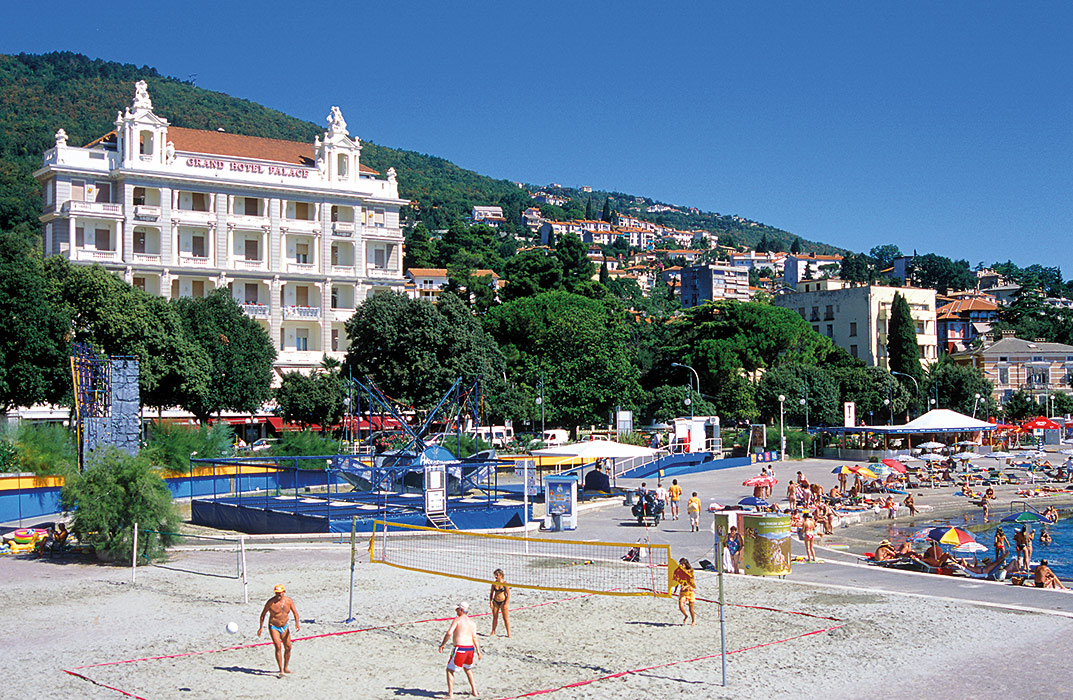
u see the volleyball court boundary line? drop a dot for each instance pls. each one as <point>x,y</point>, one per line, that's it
<point>74,670</point>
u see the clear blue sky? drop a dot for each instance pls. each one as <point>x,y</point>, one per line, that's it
<point>939,127</point>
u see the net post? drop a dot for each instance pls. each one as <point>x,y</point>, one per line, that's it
<point>722,603</point>
<point>242,566</point>
<point>134,556</point>
<point>525,503</point>
<point>353,554</point>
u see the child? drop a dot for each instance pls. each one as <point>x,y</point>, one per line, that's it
<point>498,598</point>
<point>675,492</point>
<point>687,590</point>
<point>693,507</point>
<point>808,534</point>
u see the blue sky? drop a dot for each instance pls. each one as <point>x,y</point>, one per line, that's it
<point>939,127</point>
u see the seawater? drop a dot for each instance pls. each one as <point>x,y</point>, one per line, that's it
<point>1059,554</point>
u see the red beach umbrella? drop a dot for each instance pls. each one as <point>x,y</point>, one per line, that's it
<point>1040,423</point>
<point>762,480</point>
<point>895,465</point>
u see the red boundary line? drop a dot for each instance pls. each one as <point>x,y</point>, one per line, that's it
<point>670,663</point>
<point>444,619</point>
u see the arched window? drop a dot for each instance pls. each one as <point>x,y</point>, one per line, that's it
<point>145,143</point>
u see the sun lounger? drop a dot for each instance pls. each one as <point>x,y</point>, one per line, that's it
<point>998,573</point>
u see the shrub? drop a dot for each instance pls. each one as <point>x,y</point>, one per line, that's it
<point>9,461</point>
<point>171,444</point>
<point>304,444</point>
<point>113,492</point>
<point>46,449</point>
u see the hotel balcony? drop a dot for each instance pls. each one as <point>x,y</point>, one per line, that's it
<point>145,212</point>
<point>344,270</point>
<point>382,273</point>
<point>189,216</point>
<point>244,264</point>
<point>304,268</point>
<point>311,313</point>
<point>147,258</point>
<point>96,255</point>
<point>186,260</point>
<point>255,310</point>
<point>339,315</point>
<point>93,208</point>
<point>343,228</point>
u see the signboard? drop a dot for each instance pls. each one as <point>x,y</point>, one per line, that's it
<point>560,499</point>
<point>527,471</point>
<point>435,488</point>
<point>624,422</point>
<point>849,414</point>
<point>766,551</point>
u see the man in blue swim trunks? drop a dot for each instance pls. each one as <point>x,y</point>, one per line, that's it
<point>463,635</point>
<point>278,608</point>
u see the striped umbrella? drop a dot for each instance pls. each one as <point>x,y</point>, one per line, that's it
<point>948,534</point>
<point>895,465</point>
<point>864,472</point>
<point>843,470</point>
<point>1025,516</point>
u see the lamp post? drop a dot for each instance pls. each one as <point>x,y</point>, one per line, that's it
<point>974,404</point>
<point>915,383</point>
<point>690,399</point>
<point>540,402</point>
<point>890,410</point>
<point>1052,398</point>
<point>782,440</point>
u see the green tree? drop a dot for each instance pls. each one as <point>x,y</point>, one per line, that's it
<point>878,395</point>
<point>576,264</point>
<point>414,349</point>
<point>665,403</point>
<point>239,351</point>
<point>115,491</point>
<point>171,445</point>
<point>578,345</point>
<point>798,381</point>
<point>605,215</point>
<point>603,273</point>
<point>420,251</point>
<point>942,274</point>
<point>531,273</point>
<point>884,256</point>
<point>315,398</point>
<point>903,353</point>
<point>1021,405</point>
<point>33,347</point>
<point>795,247</point>
<point>957,387</point>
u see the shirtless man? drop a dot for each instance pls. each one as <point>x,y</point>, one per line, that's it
<point>1023,540</point>
<point>463,636</point>
<point>278,608</point>
<point>884,552</point>
<point>1043,577</point>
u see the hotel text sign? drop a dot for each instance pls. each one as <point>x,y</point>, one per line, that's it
<point>254,168</point>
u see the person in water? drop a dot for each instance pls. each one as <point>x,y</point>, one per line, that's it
<point>498,599</point>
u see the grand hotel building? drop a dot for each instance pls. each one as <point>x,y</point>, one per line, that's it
<point>299,233</point>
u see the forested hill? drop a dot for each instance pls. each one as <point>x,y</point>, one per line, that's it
<point>42,93</point>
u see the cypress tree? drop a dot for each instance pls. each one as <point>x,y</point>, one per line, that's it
<point>606,215</point>
<point>588,209</point>
<point>603,273</point>
<point>903,355</point>
<point>795,247</point>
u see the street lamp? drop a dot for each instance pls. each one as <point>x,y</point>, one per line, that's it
<point>782,440</point>
<point>540,402</point>
<point>890,418</point>
<point>915,383</point>
<point>974,403</point>
<point>689,401</point>
<point>1052,398</point>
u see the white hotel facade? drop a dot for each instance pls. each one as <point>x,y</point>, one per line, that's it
<point>300,233</point>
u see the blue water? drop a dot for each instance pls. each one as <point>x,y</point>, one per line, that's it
<point>1059,554</point>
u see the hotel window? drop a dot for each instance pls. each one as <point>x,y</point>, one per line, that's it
<point>197,247</point>
<point>139,241</point>
<point>251,206</point>
<point>102,239</point>
<point>139,283</point>
<point>853,329</point>
<point>253,250</point>
<point>335,255</point>
<point>335,340</point>
<point>1003,375</point>
<point>1069,376</point>
<point>303,211</point>
<point>104,192</point>
<point>78,190</point>
<point>830,331</point>
<point>139,196</point>
<point>80,237</point>
<point>335,297</point>
<point>197,289</point>
<point>251,293</point>
<point>301,339</point>
<point>342,169</point>
<point>815,313</point>
<point>378,217</point>
<point>828,313</point>
<point>853,350</point>
<point>194,201</point>
<point>301,253</point>
<point>145,143</point>
<point>301,296</point>
<point>1038,376</point>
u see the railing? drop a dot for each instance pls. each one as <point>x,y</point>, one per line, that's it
<point>347,270</point>
<point>146,212</point>
<point>104,255</point>
<point>255,310</point>
<point>343,228</point>
<point>312,312</point>
<point>621,465</point>
<point>381,272</point>
<point>301,267</point>
<point>74,206</point>
<point>244,264</point>
<point>193,260</point>
<point>152,258</point>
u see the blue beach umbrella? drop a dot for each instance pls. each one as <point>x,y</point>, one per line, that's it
<point>1025,516</point>
<point>753,501</point>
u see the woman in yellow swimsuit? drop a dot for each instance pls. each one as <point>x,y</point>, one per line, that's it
<point>498,598</point>
<point>687,590</point>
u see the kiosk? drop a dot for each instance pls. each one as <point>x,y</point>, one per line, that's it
<point>560,502</point>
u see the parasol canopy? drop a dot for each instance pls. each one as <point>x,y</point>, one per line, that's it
<point>864,472</point>
<point>931,445</point>
<point>948,534</point>
<point>843,470</point>
<point>1040,423</point>
<point>894,465</point>
<point>762,480</point>
<point>972,547</point>
<point>753,502</point>
<point>1025,516</point>
<point>932,458</point>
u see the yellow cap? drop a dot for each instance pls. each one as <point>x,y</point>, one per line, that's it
<point>279,588</point>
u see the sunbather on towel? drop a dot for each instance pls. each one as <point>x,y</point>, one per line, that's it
<point>884,552</point>
<point>935,557</point>
<point>1043,577</point>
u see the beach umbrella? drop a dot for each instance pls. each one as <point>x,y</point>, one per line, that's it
<point>966,456</point>
<point>930,445</point>
<point>843,470</point>
<point>932,458</point>
<point>881,469</point>
<point>1066,452</point>
<point>1000,455</point>
<point>1040,423</point>
<point>971,547</point>
<point>1025,516</point>
<point>948,534</point>
<point>894,465</point>
<point>966,443</point>
<point>864,472</point>
<point>753,502</point>
<point>763,480</point>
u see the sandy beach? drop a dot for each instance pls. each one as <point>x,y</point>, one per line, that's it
<point>814,631</point>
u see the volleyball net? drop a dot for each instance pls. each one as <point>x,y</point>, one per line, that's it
<point>201,555</point>
<point>601,568</point>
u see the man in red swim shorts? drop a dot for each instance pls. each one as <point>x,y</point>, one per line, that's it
<point>463,635</point>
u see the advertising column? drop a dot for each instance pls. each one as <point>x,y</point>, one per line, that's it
<point>767,545</point>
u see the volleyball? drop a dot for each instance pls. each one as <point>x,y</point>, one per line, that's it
<point>232,628</point>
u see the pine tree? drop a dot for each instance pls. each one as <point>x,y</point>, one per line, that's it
<point>903,355</point>
<point>763,246</point>
<point>606,215</point>
<point>603,273</point>
<point>795,247</point>
<point>588,209</point>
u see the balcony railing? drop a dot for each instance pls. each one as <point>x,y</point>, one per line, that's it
<point>381,272</point>
<point>193,261</point>
<point>151,258</point>
<point>246,264</point>
<point>74,206</point>
<point>306,312</point>
<point>345,270</point>
<point>146,212</point>
<point>343,228</point>
<point>301,267</point>
<point>103,255</point>
<point>255,310</point>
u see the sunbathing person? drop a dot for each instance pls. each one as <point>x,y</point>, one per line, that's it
<point>935,557</point>
<point>987,568</point>
<point>1043,577</point>
<point>885,552</point>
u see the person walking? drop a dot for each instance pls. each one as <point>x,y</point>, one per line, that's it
<point>278,608</point>
<point>693,506</point>
<point>463,636</point>
<point>675,493</point>
<point>498,599</point>
<point>686,584</point>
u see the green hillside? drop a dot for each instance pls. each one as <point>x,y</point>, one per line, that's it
<point>42,93</point>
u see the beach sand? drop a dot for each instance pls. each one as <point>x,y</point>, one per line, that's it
<point>69,615</point>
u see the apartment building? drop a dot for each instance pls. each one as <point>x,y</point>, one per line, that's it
<point>856,317</point>
<point>299,233</point>
<point>713,282</point>
<point>1013,364</point>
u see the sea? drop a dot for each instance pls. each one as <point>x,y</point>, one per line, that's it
<point>1059,554</point>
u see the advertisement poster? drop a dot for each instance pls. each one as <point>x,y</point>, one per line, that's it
<point>767,545</point>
